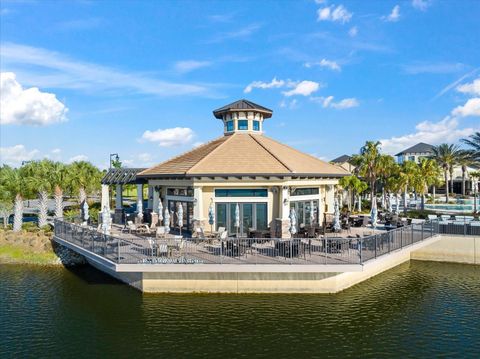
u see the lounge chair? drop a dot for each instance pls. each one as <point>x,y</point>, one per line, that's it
<point>130,227</point>
<point>161,232</point>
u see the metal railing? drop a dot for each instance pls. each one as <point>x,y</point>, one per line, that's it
<point>149,250</point>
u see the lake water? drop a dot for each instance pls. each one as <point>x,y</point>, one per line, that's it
<point>419,309</point>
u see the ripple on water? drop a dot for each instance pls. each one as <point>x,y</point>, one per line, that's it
<point>415,310</point>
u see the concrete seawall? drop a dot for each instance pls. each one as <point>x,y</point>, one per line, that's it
<point>222,278</point>
<point>456,249</point>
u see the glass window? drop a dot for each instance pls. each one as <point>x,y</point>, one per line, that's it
<point>303,210</point>
<point>256,125</point>
<point>304,191</point>
<point>247,217</point>
<point>261,216</point>
<point>221,214</point>
<point>229,126</point>
<point>242,124</point>
<point>254,192</point>
<point>183,192</point>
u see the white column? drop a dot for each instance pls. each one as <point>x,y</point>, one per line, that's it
<point>198,204</point>
<point>118,197</point>
<point>105,197</point>
<point>139,198</point>
<point>150,197</point>
<point>156,199</point>
<point>284,203</point>
<point>330,197</point>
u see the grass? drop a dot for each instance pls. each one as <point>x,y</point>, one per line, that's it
<point>23,255</point>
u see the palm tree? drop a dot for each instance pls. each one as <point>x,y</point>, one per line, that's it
<point>12,183</point>
<point>59,178</point>
<point>475,176</point>
<point>407,175</point>
<point>445,155</point>
<point>367,163</point>
<point>83,177</point>
<point>39,179</point>
<point>427,174</point>
<point>465,159</point>
<point>386,167</point>
<point>474,142</point>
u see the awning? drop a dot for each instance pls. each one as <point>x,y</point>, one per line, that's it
<point>123,176</point>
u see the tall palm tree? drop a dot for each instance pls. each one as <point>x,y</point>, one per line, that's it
<point>39,179</point>
<point>427,174</point>
<point>465,159</point>
<point>59,178</point>
<point>408,173</point>
<point>475,176</point>
<point>12,183</point>
<point>367,163</point>
<point>446,155</point>
<point>386,167</point>
<point>474,143</point>
<point>83,177</point>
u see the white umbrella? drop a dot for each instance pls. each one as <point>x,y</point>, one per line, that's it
<point>237,217</point>
<point>383,201</point>
<point>140,209</point>
<point>312,214</point>
<point>180,217</point>
<point>106,220</point>
<point>166,220</point>
<point>211,216</point>
<point>85,214</point>
<point>160,211</point>
<point>336,216</point>
<point>293,221</point>
<point>373,216</point>
<point>390,199</point>
<point>397,203</point>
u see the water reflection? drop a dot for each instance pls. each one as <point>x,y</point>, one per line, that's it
<point>414,310</point>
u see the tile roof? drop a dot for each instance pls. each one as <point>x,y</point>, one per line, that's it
<point>244,154</point>
<point>420,147</point>
<point>342,159</point>
<point>242,105</point>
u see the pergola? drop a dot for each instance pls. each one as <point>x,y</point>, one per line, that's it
<point>119,177</point>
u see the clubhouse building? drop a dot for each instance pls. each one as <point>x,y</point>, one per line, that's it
<point>264,177</point>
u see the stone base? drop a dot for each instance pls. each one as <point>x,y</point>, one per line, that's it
<point>280,228</point>
<point>118,216</point>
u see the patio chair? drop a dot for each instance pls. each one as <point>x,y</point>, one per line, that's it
<point>143,228</point>
<point>199,233</point>
<point>130,227</point>
<point>432,217</point>
<point>160,232</point>
<point>223,235</point>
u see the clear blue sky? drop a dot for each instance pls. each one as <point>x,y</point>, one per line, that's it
<point>334,73</point>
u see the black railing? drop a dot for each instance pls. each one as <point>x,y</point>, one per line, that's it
<point>130,249</point>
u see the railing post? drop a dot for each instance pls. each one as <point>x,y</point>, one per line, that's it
<point>401,238</point>
<point>375,236</point>
<point>423,224</point>
<point>118,250</point>
<point>360,241</point>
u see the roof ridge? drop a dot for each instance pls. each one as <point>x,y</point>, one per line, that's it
<point>270,152</point>
<point>300,152</point>
<point>182,154</point>
<point>211,152</point>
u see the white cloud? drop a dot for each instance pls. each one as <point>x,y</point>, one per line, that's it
<point>288,104</point>
<point>30,106</point>
<point>327,102</point>
<point>14,155</point>
<point>336,14</point>
<point>332,65</point>
<point>471,108</point>
<point>241,33</point>
<point>145,157</point>
<point>430,132</point>
<point>197,144</point>
<point>190,65</point>
<point>303,88</point>
<point>264,85</point>
<point>78,158</point>
<point>421,4</point>
<point>394,16</point>
<point>433,68</point>
<point>56,151</point>
<point>353,31</point>
<point>170,137</point>
<point>56,70</point>
<point>471,89</point>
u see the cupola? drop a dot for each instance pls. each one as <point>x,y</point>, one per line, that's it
<point>242,116</point>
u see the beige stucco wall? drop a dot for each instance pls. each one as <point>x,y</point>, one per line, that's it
<point>458,249</point>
